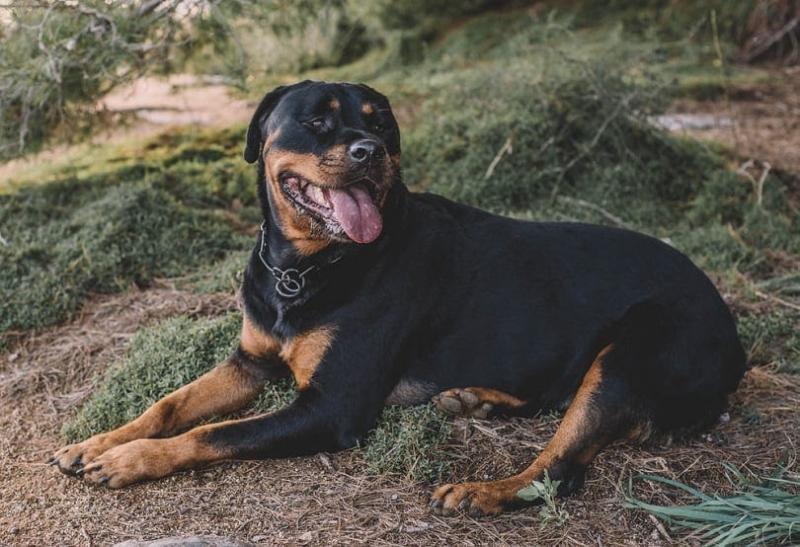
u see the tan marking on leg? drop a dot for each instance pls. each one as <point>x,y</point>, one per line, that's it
<point>496,397</point>
<point>492,497</point>
<point>304,352</point>
<point>335,104</point>
<point>147,459</point>
<point>222,390</point>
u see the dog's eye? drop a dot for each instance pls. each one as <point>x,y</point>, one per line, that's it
<point>318,125</point>
<point>378,126</point>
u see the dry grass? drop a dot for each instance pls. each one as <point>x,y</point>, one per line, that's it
<point>333,499</point>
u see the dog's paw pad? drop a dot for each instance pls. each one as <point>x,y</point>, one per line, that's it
<point>462,402</point>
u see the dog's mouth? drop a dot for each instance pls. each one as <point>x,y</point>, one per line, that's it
<point>351,210</point>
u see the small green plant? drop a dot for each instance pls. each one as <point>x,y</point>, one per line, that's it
<point>552,512</point>
<point>767,514</point>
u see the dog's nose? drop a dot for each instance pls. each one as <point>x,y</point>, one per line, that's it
<point>363,150</point>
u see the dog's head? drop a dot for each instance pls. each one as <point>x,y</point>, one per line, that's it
<point>330,154</point>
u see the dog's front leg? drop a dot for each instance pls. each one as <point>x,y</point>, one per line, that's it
<point>227,387</point>
<point>343,382</point>
<point>308,425</point>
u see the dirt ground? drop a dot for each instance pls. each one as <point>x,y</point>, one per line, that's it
<point>330,499</point>
<point>760,123</point>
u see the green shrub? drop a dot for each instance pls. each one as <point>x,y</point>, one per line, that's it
<point>405,442</point>
<point>120,220</point>
<point>127,234</point>
<point>771,338</point>
<point>160,359</point>
<point>508,137</point>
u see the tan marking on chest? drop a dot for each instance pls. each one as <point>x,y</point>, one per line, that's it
<point>255,342</point>
<point>304,352</point>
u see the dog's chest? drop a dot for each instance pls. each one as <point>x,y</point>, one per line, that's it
<point>304,352</point>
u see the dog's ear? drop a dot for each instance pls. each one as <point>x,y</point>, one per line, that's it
<point>255,138</point>
<point>374,92</point>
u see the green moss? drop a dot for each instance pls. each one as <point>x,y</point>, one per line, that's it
<point>222,276</point>
<point>772,338</point>
<point>160,359</point>
<point>406,442</point>
<point>508,137</point>
<point>119,236</point>
<point>138,212</point>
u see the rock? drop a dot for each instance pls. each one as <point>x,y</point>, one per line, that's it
<point>185,541</point>
<point>683,122</point>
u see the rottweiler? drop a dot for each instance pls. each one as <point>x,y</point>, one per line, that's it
<point>369,294</point>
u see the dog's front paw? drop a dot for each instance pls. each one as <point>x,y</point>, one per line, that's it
<point>128,463</point>
<point>74,457</point>
<point>476,498</point>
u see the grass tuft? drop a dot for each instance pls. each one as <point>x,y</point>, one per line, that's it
<point>756,514</point>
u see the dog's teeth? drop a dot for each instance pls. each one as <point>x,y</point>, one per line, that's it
<point>317,195</point>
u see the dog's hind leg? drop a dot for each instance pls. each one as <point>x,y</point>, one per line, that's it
<point>476,402</point>
<point>601,411</point>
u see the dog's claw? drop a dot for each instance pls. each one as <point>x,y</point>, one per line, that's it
<point>475,511</point>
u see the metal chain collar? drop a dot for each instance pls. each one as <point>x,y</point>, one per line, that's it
<point>289,283</point>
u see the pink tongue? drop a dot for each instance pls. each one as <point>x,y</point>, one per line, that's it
<point>356,214</point>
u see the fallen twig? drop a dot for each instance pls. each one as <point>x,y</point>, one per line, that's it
<point>505,149</point>
<point>758,185</point>
<point>776,299</point>
<point>607,215</point>
<point>660,528</point>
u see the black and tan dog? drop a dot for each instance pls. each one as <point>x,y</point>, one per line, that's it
<point>371,295</point>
